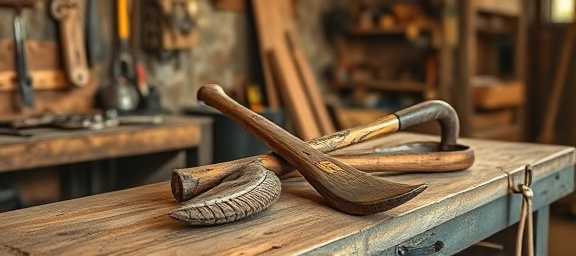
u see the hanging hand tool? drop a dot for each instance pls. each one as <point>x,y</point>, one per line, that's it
<point>93,37</point>
<point>69,18</point>
<point>24,79</point>
<point>170,24</point>
<point>122,94</point>
<point>139,69</point>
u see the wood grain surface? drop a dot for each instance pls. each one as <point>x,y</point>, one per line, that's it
<point>53,146</point>
<point>136,221</point>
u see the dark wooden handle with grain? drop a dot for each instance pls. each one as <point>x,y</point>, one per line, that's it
<point>344,188</point>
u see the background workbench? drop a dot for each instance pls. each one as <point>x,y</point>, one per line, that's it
<point>458,210</point>
<point>88,160</point>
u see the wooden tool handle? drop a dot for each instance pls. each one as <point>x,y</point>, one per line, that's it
<point>411,157</point>
<point>123,26</point>
<point>71,36</point>
<point>74,51</point>
<point>344,188</point>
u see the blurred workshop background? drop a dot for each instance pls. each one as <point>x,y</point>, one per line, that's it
<point>99,71</point>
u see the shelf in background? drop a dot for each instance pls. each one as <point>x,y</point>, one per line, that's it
<point>508,8</point>
<point>406,86</point>
<point>384,31</point>
<point>497,94</point>
<point>494,31</point>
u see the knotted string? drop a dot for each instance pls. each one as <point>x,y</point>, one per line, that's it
<point>525,214</point>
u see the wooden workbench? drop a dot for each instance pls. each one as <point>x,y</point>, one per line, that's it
<point>51,146</point>
<point>84,162</point>
<point>458,209</point>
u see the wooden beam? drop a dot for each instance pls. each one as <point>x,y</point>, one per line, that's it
<point>285,69</point>
<point>266,32</point>
<point>308,82</point>
<point>44,64</point>
<point>548,126</point>
<point>294,97</point>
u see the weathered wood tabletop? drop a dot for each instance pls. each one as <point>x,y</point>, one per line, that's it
<point>51,146</point>
<point>136,221</point>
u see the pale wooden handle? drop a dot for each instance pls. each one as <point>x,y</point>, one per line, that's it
<point>71,35</point>
<point>74,50</point>
<point>411,157</point>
